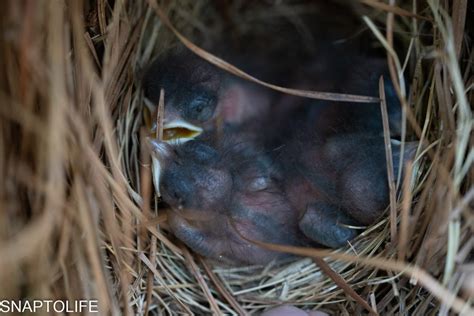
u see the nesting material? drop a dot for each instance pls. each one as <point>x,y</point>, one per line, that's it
<point>78,213</point>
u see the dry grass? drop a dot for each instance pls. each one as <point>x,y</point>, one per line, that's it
<point>78,218</point>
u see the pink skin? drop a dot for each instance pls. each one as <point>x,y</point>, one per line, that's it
<point>237,102</point>
<point>287,310</point>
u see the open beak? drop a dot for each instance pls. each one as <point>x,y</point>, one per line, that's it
<point>175,131</point>
<point>180,131</point>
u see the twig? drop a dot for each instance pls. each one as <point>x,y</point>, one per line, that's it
<point>222,289</point>
<point>405,216</point>
<point>389,160</point>
<point>202,283</point>
<point>337,278</point>
<point>393,9</point>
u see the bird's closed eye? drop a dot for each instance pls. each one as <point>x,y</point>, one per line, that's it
<point>201,107</point>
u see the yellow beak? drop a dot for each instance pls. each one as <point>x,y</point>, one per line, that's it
<point>180,131</point>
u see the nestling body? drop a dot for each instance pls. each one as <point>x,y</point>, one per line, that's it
<point>222,195</point>
<point>285,170</point>
<point>200,96</point>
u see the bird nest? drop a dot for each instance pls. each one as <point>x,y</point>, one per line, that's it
<point>79,217</point>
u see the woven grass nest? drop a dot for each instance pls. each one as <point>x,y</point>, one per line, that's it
<point>78,216</point>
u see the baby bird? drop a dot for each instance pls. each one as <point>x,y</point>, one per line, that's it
<point>222,196</point>
<point>199,96</point>
<point>337,183</point>
<point>313,171</point>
